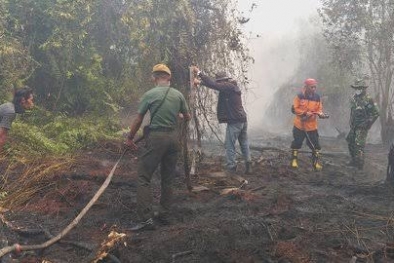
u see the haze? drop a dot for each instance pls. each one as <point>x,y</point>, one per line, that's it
<point>272,32</point>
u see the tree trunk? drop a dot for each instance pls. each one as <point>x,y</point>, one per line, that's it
<point>390,166</point>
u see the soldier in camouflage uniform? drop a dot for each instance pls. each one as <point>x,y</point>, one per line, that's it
<point>363,113</point>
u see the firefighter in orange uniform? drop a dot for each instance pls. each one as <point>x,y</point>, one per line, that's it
<point>307,107</point>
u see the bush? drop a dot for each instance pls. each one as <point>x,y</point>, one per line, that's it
<point>59,134</point>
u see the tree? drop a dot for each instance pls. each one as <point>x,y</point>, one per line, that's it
<point>84,55</point>
<point>16,63</point>
<point>362,32</point>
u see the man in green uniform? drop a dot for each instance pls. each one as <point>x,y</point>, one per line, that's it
<point>363,113</point>
<point>165,104</point>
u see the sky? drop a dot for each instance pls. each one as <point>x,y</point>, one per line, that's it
<point>275,50</point>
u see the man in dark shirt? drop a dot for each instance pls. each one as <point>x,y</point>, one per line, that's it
<point>230,111</point>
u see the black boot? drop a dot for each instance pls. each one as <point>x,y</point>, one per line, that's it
<point>360,164</point>
<point>231,171</point>
<point>248,168</point>
<point>352,163</point>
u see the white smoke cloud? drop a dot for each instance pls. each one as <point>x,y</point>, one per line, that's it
<point>272,31</point>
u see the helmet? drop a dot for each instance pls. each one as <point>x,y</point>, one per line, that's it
<point>310,82</point>
<point>161,68</point>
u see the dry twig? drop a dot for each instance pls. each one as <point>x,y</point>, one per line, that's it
<point>18,248</point>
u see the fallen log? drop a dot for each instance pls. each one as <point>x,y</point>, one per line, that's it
<point>327,153</point>
<point>261,148</point>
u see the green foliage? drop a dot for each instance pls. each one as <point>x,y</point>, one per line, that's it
<point>31,139</point>
<point>59,134</point>
<point>77,138</point>
<point>95,56</point>
<point>38,116</point>
<point>79,133</point>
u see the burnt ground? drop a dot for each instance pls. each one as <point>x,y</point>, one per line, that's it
<point>282,215</point>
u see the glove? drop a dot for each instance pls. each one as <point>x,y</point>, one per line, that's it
<point>304,117</point>
<point>196,82</point>
<point>324,116</point>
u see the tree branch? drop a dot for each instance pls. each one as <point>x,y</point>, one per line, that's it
<point>17,247</point>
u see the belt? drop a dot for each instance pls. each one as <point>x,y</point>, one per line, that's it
<point>161,129</point>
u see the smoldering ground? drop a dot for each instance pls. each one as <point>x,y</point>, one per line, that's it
<point>280,215</point>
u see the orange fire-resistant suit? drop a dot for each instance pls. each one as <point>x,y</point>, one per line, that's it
<point>302,104</point>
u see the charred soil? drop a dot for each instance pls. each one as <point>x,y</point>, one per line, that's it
<point>279,215</point>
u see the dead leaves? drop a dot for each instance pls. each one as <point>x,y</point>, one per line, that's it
<point>113,240</point>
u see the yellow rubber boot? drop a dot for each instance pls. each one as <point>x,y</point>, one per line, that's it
<point>316,162</point>
<point>294,161</point>
<point>318,166</point>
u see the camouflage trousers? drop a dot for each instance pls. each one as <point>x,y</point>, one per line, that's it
<point>356,140</point>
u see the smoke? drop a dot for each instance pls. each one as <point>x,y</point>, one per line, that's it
<point>275,64</point>
<point>277,29</point>
<point>274,44</point>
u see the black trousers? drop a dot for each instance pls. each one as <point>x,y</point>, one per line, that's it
<point>312,139</point>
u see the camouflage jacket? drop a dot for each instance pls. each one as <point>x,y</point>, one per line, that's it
<point>363,112</point>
